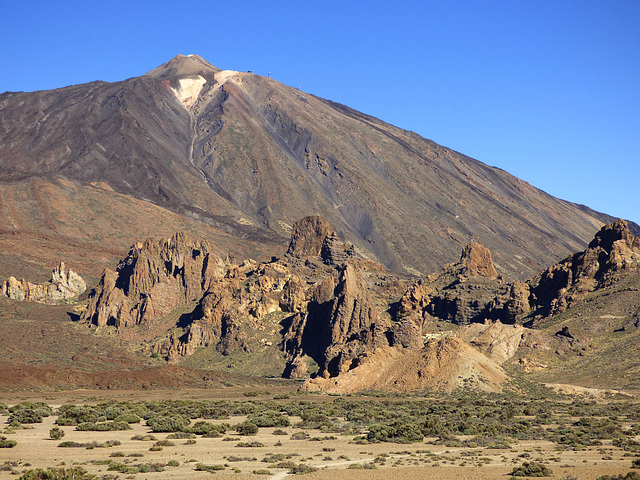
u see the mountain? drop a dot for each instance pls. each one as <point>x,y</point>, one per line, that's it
<point>88,170</point>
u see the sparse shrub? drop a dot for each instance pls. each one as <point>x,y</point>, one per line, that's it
<point>27,415</point>
<point>56,433</point>
<point>628,476</point>
<point>144,438</point>
<point>301,469</point>
<point>134,469</point>
<point>164,443</point>
<point>75,473</point>
<point>207,429</point>
<point>233,458</point>
<point>75,414</point>
<point>247,428</point>
<point>4,443</point>
<point>168,424</point>
<point>180,436</point>
<point>102,427</point>
<point>269,419</point>
<point>399,432</point>
<point>201,467</point>
<point>127,418</point>
<point>250,444</point>
<point>532,469</point>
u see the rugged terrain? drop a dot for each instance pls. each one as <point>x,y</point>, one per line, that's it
<point>88,170</point>
<point>345,324</point>
<point>240,165</point>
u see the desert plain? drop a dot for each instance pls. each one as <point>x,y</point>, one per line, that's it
<point>323,452</point>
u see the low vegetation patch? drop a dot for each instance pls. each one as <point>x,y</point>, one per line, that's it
<point>532,469</point>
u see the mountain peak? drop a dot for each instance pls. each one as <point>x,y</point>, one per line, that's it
<point>183,66</point>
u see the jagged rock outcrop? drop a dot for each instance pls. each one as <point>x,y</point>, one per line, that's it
<point>313,236</point>
<point>470,290</point>
<point>326,310</point>
<point>462,293</point>
<point>340,324</point>
<point>232,307</point>
<point>611,254</point>
<point>64,285</point>
<point>476,261</point>
<point>154,279</point>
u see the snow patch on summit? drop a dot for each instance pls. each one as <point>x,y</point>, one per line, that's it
<point>188,90</point>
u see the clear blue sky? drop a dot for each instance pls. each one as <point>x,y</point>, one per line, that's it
<point>547,90</point>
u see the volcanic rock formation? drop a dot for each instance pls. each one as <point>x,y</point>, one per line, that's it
<point>470,291</point>
<point>154,279</point>
<point>328,317</point>
<point>64,285</point>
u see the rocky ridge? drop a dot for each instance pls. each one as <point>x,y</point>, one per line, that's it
<point>471,291</point>
<point>337,321</point>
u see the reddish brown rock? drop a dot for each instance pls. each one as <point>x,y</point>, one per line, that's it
<point>339,326</point>
<point>308,236</point>
<point>154,279</point>
<point>476,260</point>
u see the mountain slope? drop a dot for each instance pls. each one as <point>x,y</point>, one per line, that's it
<point>249,156</point>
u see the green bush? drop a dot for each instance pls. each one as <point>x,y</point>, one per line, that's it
<point>301,469</point>
<point>26,416</point>
<point>207,429</point>
<point>269,419</point>
<point>247,428</point>
<point>168,424</point>
<point>201,467</point>
<point>102,427</point>
<point>74,414</point>
<point>399,432</point>
<point>4,443</point>
<point>628,476</point>
<point>127,418</point>
<point>75,473</point>
<point>56,433</point>
<point>250,444</point>
<point>532,469</point>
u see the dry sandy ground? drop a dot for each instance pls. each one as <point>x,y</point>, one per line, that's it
<point>404,462</point>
